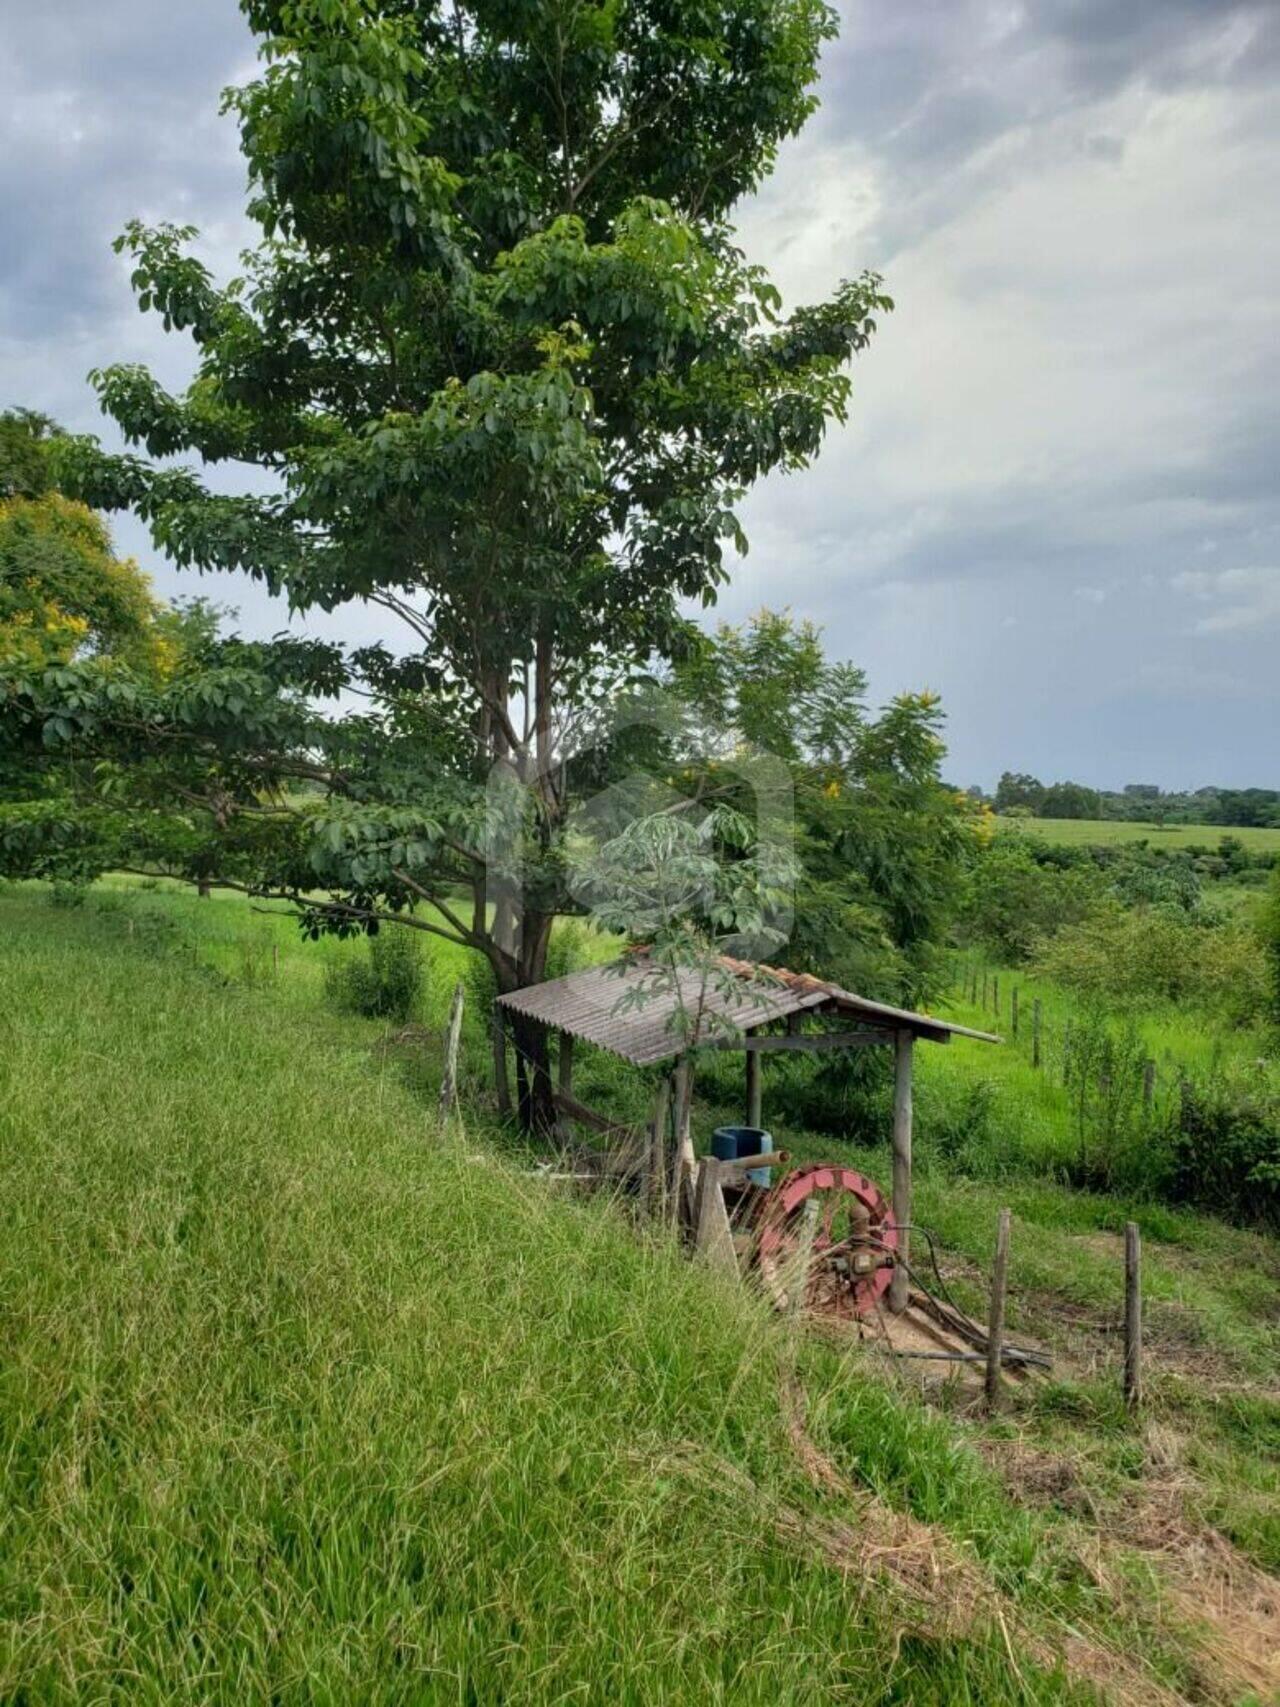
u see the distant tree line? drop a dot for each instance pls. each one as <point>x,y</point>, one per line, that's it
<point>1138,802</point>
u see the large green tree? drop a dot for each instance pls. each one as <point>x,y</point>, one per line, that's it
<point>507,375</point>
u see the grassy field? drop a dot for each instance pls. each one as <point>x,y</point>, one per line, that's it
<point>1093,832</point>
<point>304,1400</point>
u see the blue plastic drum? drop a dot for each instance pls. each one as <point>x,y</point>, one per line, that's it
<point>730,1142</point>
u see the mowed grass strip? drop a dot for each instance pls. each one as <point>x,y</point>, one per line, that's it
<point>300,1401</point>
<point>1109,832</point>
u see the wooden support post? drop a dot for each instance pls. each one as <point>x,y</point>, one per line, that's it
<point>565,1063</point>
<point>1035,1032</point>
<point>995,1319</point>
<point>449,1084</point>
<point>714,1237</point>
<point>683,1161</point>
<point>1132,1316</point>
<point>656,1166</point>
<point>498,1042</point>
<point>984,992</point>
<point>1013,1011</point>
<point>754,1098</point>
<point>900,1284</point>
<point>1148,1084</point>
<point>995,994</point>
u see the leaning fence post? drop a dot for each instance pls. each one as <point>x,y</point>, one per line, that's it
<point>449,1084</point>
<point>995,1321</point>
<point>1132,1316</point>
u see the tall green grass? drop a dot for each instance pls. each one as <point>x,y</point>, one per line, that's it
<point>302,1401</point>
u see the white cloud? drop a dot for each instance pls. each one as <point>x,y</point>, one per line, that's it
<point>1240,599</point>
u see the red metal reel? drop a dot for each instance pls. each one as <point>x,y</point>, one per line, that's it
<point>853,1214</point>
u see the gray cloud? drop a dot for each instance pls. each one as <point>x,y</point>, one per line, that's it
<point>1056,497</point>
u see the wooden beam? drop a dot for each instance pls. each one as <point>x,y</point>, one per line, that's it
<point>902,1118</point>
<point>768,1042</point>
<point>591,1117</point>
<point>566,1063</point>
<point>754,1097</point>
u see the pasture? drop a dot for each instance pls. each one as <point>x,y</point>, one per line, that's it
<point>1105,832</point>
<point>303,1398</point>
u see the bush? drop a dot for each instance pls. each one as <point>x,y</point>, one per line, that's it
<point>385,984</point>
<point>1226,1144</point>
<point>64,894</point>
<point>1270,935</point>
<point>1155,954</point>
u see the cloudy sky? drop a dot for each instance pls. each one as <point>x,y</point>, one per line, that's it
<point>1057,501</point>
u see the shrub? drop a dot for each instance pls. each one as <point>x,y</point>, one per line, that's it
<point>64,894</point>
<point>1156,953</point>
<point>385,984</point>
<point>1225,1144</point>
<point>1270,936</point>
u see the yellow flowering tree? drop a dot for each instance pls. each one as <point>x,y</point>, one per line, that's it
<point>63,591</point>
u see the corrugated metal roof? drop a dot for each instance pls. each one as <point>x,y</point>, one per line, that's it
<point>599,1005</point>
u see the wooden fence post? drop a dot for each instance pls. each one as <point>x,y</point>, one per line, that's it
<point>275,958</point>
<point>1132,1316</point>
<point>656,1172</point>
<point>984,992</point>
<point>995,1319</point>
<point>902,1118</point>
<point>1013,1011</point>
<point>498,1043</point>
<point>449,1084</point>
<point>995,994</point>
<point>1035,1032</point>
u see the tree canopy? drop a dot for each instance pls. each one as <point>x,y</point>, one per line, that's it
<point>496,367</point>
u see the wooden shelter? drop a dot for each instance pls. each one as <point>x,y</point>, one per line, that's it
<point>759,1010</point>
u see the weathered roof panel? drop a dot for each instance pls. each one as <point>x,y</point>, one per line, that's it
<point>598,1005</point>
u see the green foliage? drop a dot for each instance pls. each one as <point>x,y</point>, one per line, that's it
<point>1148,954</point>
<point>510,378</point>
<point>1014,899</point>
<point>385,983</point>
<point>1270,933</point>
<point>24,464</point>
<point>1226,1143</point>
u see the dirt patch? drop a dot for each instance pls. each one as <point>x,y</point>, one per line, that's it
<point>1205,1582</point>
<point>952,1592</point>
<point>1210,1583</point>
<point>1040,1478</point>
